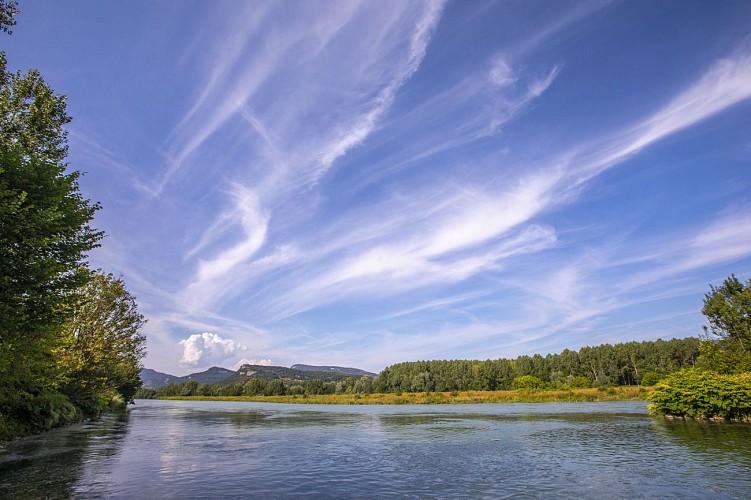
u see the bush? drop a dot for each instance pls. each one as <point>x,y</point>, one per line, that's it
<point>650,378</point>
<point>527,382</point>
<point>23,412</point>
<point>701,394</point>
<point>580,383</point>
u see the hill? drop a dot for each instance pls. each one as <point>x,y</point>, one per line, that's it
<point>355,372</point>
<point>247,372</point>
<point>213,375</point>
<point>153,379</point>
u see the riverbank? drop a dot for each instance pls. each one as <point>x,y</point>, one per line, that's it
<point>631,393</point>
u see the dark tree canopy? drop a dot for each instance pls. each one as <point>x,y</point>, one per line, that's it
<point>44,237</point>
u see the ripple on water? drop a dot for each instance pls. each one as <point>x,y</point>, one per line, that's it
<point>187,450</point>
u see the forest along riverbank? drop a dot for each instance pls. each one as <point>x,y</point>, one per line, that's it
<point>455,397</point>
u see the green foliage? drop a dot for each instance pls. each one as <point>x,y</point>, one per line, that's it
<point>26,409</point>
<point>580,383</point>
<point>44,229</point>
<point>650,378</point>
<point>604,365</point>
<point>8,11</point>
<point>727,338</point>
<point>69,340</point>
<point>32,116</point>
<point>103,345</point>
<point>527,382</point>
<point>703,394</point>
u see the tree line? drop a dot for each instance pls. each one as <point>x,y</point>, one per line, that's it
<point>70,339</point>
<point>629,363</point>
<point>262,387</point>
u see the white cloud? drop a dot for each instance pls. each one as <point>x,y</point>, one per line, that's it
<point>205,348</point>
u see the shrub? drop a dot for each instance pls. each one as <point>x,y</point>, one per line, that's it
<point>580,382</point>
<point>650,378</point>
<point>701,394</point>
<point>527,382</point>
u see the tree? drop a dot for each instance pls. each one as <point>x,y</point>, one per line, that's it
<point>8,11</point>
<point>45,229</point>
<point>527,382</point>
<point>103,346</point>
<point>32,116</point>
<point>727,338</point>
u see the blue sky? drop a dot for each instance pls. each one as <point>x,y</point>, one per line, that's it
<point>364,183</point>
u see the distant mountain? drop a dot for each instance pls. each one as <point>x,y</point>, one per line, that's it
<point>215,375</point>
<point>338,369</point>
<point>154,380</point>
<point>247,372</point>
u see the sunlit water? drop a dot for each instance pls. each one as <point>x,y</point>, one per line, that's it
<point>181,449</point>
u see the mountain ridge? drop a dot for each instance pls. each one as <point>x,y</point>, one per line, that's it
<point>153,379</point>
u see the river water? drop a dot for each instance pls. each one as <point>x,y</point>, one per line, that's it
<point>187,449</point>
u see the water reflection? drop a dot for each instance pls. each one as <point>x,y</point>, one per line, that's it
<point>713,439</point>
<point>51,464</point>
<point>180,449</point>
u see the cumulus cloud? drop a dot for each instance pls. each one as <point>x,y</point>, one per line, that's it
<point>246,361</point>
<point>204,348</point>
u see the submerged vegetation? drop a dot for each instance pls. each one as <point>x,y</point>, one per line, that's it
<point>70,345</point>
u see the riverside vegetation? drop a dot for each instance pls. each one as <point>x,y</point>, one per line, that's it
<point>707,378</point>
<point>70,341</point>
<point>720,386</point>
<point>603,372</point>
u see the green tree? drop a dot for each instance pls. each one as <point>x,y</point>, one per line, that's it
<point>8,11</point>
<point>103,345</point>
<point>32,115</point>
<point>727,338</point>
<point>45,229</point>
<point>527,382</point>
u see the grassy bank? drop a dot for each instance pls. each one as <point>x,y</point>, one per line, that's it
<point>562,396</point>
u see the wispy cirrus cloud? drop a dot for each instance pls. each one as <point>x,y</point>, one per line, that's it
<point>374,181</point>
<point>472,219</point>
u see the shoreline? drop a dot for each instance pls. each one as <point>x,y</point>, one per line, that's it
<point>627,393</point>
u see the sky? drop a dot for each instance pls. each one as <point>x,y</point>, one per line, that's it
<point>364,183</point>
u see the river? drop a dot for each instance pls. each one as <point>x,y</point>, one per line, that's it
<point>187,449</point>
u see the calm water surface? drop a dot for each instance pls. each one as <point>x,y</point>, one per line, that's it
<point>182,449</point>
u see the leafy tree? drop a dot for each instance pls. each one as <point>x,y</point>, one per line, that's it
<point>104,345</point>
<point>527,382</point>
<point>8,11</point>
<point>727,338</point>
<point>45,229</point>
<point>32,116</point>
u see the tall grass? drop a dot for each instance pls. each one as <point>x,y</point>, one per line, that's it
<point>462,397</point>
